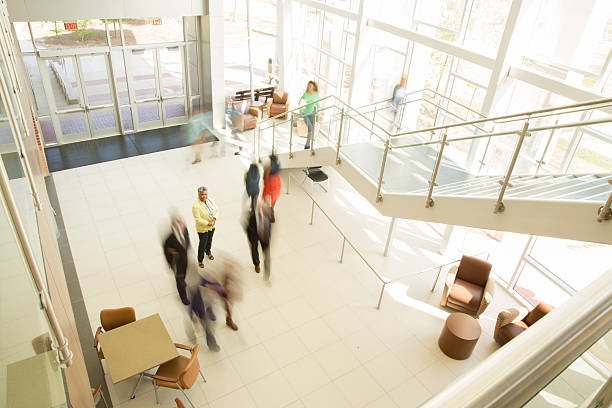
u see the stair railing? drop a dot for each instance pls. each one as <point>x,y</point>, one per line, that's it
<point>346,114</point>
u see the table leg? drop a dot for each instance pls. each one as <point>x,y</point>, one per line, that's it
<point>136,387</point>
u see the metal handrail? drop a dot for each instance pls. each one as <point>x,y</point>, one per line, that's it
<point>344,237</point>
<point>517,116</point>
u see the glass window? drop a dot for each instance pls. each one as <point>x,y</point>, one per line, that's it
<point>467,94</point>
<point>486,25</point>
<point>577,35</point>
<point>387,65</point>
<point>171,66</point>
<point>192,61</point>
<point>23,37</point>
<point>593,156</point>
<point>69,34</point>
<point>152,30</point>
<point>473,72</point>
<point>120,77</point>
<point>535,287</point>
<point>114,30</point>
<point>64,82</point>
<point>443,13</point>
<point>143,70</point>
<point>576,263</point>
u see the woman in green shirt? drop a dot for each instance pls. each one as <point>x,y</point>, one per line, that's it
<point>311,95</point>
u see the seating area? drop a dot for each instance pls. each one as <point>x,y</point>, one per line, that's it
<point>512,322</point>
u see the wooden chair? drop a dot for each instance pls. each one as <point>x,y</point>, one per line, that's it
<point>468,287</point>
<point>180,373</point>
<point>98,395</point>
<point>111,319</point>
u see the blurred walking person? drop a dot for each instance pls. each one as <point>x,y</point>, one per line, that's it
<point>251,181</point>
<point>224,281</point>
<point>258,230</point>
<point>194,132</point>
<point>205,213</point>
<point>272,184</point>
<point>176,247</point>
<point>200,308</point>
<point>399,93</point>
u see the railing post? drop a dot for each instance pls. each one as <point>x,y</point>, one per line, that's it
<point>382,290</point>
<point>436,281</point>
<point>382,172</point>
<point>339,137</point>
<point>291,138</point>
<point>311,213</point>
<point>499,206</point>
<point>429,202</point>
<point>288,182</point>
<point>373,121</point>
<point>391,227</point>
<point>273,135</point>
<point>605,212</point>
<point>541,162</point>
<point>342,253</point>
<point>314,131</point>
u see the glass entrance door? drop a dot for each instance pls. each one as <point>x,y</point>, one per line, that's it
<point>68,98</point>
<point>98,94</point>
<point>158,81</point>
<point>147,97</point>
<point>172,84</point>
<point>83,96</point>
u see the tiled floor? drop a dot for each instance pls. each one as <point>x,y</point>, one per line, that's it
<point>312,339</point>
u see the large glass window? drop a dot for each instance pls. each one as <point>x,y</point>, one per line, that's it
<point>152,30</point>
<point>69,34</point>
<point>486,25</point>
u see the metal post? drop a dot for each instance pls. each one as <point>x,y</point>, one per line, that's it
<point>382,172</point>
<point>273,135</point>
<point>312,212</point>
<point>391,227</point>
<point>258,143</point>
<point>339,137</point>
<point>605,212</point>
<point>499,206</point>
<point>382,290</point>
<point>288,182</point>
<point>541,162</point>
<point>342,253</point>
<point>290,139</point>
<point>436,281</point>
<point>373,120</point>
<point>314,128</point>
<point>248,10</point>
<point>429,202</point>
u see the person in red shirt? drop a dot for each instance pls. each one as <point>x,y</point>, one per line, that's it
<point>272,184</point>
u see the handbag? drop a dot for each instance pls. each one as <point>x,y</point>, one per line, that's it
<point>302,128</point>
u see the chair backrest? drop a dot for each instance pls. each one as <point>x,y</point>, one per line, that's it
<point>474,270</point>
<point>191,370</point>
<point>538,312</point>
<point>113,318</point>
<point>280,97</point>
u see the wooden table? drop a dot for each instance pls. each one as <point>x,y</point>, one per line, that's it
<point>136,347</point>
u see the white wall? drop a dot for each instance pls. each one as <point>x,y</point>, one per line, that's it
<point>41,10</point>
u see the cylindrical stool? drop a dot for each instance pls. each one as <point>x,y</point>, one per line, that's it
<point>459,336</point>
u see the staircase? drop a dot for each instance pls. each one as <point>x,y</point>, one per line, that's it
<point>394,172</point>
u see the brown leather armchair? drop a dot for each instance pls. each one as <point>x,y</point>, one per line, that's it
<point>180,373</point>
<point>278,105</point>
<point>512,322</point>
<point>111,319</point>
<point>468,287</point>
<point>247,117</point>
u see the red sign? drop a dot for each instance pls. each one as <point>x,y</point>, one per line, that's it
<point>70,26</point>
<point>156,21</point>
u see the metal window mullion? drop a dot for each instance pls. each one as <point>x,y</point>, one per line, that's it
<point>550,275</point>
<point>519,266</point>
<point>127,68</point>
<point>465,20</point>
<point>186,84</point>
<point>32,37</point>
<point>574,143</point>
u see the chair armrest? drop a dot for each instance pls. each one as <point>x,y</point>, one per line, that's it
<point>255,112</point>
<point>182,346</point>
<point>487,296</point>
<point>510,315</point>
<point>96,391</point>
<point>98,332</point>
<point>268,104</point>
<point>448,284</point>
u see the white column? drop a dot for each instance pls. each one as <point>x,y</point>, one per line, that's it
<point>211,58</point>
<point>283,42</point>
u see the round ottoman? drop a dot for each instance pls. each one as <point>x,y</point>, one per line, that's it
<point>459,336</point>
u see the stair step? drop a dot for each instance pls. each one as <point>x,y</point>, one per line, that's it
<point>556,188</point>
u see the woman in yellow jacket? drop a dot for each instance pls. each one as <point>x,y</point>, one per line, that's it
<point>205,214</point>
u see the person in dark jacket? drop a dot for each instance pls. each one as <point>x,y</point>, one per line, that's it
<point>258,230</point>
<point>176,247</point>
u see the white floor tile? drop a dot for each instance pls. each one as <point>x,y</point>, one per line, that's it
<point>410,393</point>
<point>388,371</point>
<point>328,396</point>
<point>253,363</point>
<point>239,398</point>
<point>305,375</point>
<point>221,379</point>
<point>359,388</point>
<point>272,391</point>
<point>297,312</point>
<point>365,345</point>
<point>269,324</point>
<point>286,348</point>
<point>336,359</point>
<point>316,334</point>
<point>436,377</point>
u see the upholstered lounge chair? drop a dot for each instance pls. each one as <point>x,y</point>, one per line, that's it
<point>468,287</point>
<point>513,321</point>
